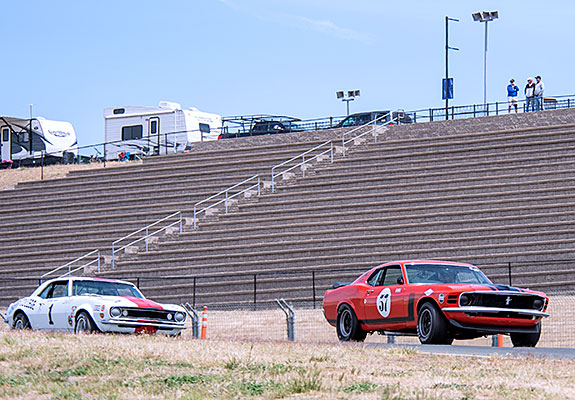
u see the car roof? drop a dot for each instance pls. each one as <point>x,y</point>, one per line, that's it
<point>88,278</point>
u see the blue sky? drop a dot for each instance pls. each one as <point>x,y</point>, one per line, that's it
<point>71,59</point>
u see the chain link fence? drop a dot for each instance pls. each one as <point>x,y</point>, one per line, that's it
<point>268,323</point>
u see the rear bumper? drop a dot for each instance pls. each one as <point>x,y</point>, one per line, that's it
<point>491,329</point>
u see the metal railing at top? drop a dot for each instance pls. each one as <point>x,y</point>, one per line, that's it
<point>69,265</point>
<point>303,162</point>
<point>227,197</point>
<point>374,123</point>
<point>146,237</point>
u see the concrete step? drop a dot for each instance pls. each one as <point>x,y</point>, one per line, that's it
<point>393,216</point>
<point>312,258</point>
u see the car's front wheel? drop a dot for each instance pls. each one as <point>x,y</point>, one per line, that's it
<point>432,326</point>
<point>526,339</point>
<point>21,321</point>
<point>84,323</point>
<point>348,326</point>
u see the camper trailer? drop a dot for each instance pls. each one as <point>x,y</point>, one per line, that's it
<point>31,141</point>
<point>141,131</point>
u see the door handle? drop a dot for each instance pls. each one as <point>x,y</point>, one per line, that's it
<point>367,292</point>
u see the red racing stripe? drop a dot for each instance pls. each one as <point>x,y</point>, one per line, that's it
<point>143,302</point>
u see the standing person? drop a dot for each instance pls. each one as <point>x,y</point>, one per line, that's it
<point>512,90</point>
<point>538,92</point>
<point>530,94</point>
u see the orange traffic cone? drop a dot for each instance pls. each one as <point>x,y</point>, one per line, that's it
<point>204,323</point>
<point>499,340</point>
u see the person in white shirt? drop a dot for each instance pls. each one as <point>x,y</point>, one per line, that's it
<point>538,92</point>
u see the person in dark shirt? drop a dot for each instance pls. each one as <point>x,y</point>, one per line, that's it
<point>530,94</point>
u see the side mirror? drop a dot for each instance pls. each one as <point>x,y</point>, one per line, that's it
<point>400,281</point>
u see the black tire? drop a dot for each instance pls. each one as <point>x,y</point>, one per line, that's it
<point>84,323</point>
<point>432,326</point>
<point>21,321</point>
<point>347,325</point>
<point>526,339</point>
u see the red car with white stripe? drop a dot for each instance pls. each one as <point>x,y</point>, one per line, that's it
<point>91,304</point>
<point>439,301</point>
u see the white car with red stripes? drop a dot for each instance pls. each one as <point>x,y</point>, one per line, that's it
<point>85,305</point>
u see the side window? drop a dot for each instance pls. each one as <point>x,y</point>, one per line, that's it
<point>5,134</point>
<point>204,128</point>
<point>56,289</point>
<point>376,277</point>
<point>153,127</point>
<point>132,132</point>
<point>392,275</point>
<point>48,289</point>
<point>60,289</point>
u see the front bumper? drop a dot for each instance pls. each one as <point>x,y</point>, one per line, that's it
<point>159,325</point>
<point>492,329</point>
<point>495,310</point>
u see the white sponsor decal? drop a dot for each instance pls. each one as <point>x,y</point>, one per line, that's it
<point>384,302</point>
<point>428,292</point>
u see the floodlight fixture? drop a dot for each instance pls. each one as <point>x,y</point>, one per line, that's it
<point>485,16</point>
<point>351,95</point>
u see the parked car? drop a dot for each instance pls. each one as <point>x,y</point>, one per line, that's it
<point>365,117</point>
<point>266,127</point>
<point>437,300</point>
<point>85,305</point>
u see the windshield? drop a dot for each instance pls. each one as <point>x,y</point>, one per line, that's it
<point>443,273</point>
<point>105,288</point>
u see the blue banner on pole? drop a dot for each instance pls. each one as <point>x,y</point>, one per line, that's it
<point>449,88</point>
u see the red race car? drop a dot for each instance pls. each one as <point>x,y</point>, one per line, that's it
<point>437,300</point>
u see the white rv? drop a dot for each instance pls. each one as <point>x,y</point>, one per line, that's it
<point>25,141</point>
<point>165,129</point>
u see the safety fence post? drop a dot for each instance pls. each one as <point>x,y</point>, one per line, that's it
<point>509,272</point>
<point>191,311</point>
<point>290,318</point>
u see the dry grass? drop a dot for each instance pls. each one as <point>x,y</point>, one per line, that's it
<point>246,356</point>
<point>63,366</point>
<point>11,177</point>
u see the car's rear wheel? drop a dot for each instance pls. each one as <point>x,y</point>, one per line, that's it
<point>84,324</point>
<point>432,326</point>
<point>21,321</point>
<point>526,339</point>
<point>348,326</point>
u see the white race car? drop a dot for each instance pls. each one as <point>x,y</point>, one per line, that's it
<point>91,305</point>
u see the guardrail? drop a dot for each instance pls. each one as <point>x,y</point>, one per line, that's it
<point>227,197</point>
<point>69,265</point>
<point>303,162</point>
<point>373,130</point>
<point>147,235</point>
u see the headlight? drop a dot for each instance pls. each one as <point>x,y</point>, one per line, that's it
<point>538,304</point>
<point>464,300</point>
<point>179,317</point>
<point>169,316</point>
<point>115,312</point>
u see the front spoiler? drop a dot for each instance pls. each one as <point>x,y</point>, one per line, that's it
<point>136,324</point>
<point>490,329</point>
<point>493,310</point>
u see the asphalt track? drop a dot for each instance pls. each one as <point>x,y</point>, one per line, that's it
<point>487,351</point>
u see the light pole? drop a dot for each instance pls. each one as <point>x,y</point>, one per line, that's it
<point>351,95</point>
<point>447,48</point>
<point>485,16</point>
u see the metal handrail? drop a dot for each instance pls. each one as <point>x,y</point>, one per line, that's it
<point>147,235</point>
<point>70,271</point>
<point>303,162</point>
<point>374,130</point>
<point>226,198</point>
